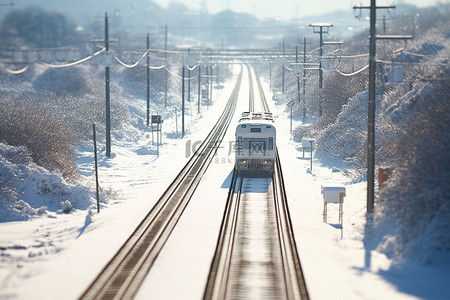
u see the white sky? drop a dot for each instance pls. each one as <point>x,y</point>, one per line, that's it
<point>287,9</point>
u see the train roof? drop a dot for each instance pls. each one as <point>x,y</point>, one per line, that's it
<point>256,116</point>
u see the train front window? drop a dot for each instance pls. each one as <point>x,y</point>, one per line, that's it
<point>270,146</point>
<point>254,146</point>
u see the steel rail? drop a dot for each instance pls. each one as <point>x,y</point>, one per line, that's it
<point>218,284</point>
<point>220,268</point>
<point>123,275</point>
<point>294,284</point>
<point>251,97</point>
<point>293,273</point>
<point>261,93</point>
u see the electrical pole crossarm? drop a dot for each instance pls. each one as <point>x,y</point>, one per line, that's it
<point>393,37</point>
<point>378,7</point>
<point>333,43</point>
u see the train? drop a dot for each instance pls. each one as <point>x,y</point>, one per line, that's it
<point>255,144</point>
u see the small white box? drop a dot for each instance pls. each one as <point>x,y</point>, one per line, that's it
<point>333,194</point>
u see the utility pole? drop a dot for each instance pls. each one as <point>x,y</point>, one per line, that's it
<point>270,76</point>
<point>148,80</point>
<point>199,87</point>
<point>207,83</point>
<point>108,100</point>
<point>320,28</point>
<point>165,62</point>
<point>282,69</point>
<point>211,84</point>
<point>372,94</point>
<point>189,76</point>
<point>182,101</point>
<point>304,81</point>
<point>298,75</point>
<point>371,114</point>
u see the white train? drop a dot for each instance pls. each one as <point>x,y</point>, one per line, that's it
<point>255,142</point>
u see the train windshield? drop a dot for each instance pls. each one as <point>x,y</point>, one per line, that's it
<point>253,146</point>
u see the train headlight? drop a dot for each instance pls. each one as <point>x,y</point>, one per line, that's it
<point>244,161</point>
<point>265,162</point>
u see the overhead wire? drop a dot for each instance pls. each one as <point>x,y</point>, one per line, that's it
<point>72,63</point>
<point>157,68</point>
<point>192,68</point>
<point>124,64</point>
<point>351,74</point>
<point>16,72</point>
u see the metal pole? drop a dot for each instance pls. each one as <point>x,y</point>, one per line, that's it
<point>304,80</point>
<point>165,62</point>
<point>96,168</point>
<point>282,74</point>
<point>189,80</point>
<point>176,122</point>
<point>270,75</point>
<point>320,59</point>
<point>106,32</point>
<point>371,102</point>
<point>148,81</point>
<point>320,73</point>
<point>207,85</point>
<point>371,115</point>
<point>107,94</point>
<point>211,84</point>
<point>199,87</point>
<point>108,114</point>
<point>182,101</point>
<point>291,120</point>
<point>298,75</point>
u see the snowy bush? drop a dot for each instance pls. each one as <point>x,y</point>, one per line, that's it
<point>66,206</point>
<point>59,112</point>
<point>71,81</point>
<point>27,190</point>
<point>418,194</point>
<point>48,138</point>
<point>412,136</point>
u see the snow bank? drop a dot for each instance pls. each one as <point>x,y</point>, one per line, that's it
<point>28,190</point>
<point>346,139</point>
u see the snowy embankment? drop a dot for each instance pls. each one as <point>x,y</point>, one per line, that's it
<point>28,190</point>
<point>55,256</point>
<point>410,224</point>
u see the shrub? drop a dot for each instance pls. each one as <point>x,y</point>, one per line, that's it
<point>48,138</point>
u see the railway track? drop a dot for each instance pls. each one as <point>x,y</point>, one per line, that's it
<point>256,255</point>
<point>126,271</point>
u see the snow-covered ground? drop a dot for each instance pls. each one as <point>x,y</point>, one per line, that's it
<point>56,256</point>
